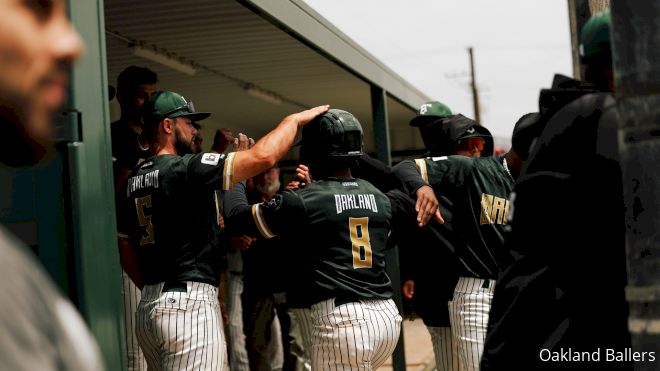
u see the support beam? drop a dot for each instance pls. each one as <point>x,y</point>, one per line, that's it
<point>579,13</point>
<point>381,124</point>
<point>636,51</point>
<point>93,232</point>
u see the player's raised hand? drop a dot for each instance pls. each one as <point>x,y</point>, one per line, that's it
<point>302,173</point>
<point>301,179</point>
<point>427,206</point>
<point>242,142</point>
<point>308,115</point>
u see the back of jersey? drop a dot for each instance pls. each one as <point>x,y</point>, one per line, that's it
<point>345,234</point>
<point>153,213</point>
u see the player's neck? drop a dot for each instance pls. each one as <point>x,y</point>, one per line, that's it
<point>343,173</point>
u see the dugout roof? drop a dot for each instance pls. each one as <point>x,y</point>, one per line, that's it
<point>241,49</point>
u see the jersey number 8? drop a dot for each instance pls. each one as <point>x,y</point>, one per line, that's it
<point>359,228</point>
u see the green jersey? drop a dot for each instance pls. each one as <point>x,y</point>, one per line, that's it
<point>340,229</point>
<point>479,189</point>
<point>171,216</point>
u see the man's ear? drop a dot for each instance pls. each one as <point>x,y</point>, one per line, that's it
<point>168,125</point>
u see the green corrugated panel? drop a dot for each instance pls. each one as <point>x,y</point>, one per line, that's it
<point>90,161</point>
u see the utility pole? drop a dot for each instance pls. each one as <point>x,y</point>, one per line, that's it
<point>473,85</point>
<point>579,12</point>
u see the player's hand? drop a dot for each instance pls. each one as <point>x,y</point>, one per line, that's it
<point>226,138</point>
<point>408,289</point>
<point>427,206</point>
<point>308,115</point>
<point>241,243</point>
<point>221,222</point>
<point>241,143</point>
<point>294,184</point>
<point>302,173</point>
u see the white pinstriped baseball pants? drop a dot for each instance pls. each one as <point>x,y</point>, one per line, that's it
<point>301,318</point>
<point>445,349</point>
<point>131,295</point>
<point>238,357</point>
<point>468,315</point>
<point>354,336</point>
<point>181,330</point>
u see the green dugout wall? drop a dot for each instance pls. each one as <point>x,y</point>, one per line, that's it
<point>93,232</point>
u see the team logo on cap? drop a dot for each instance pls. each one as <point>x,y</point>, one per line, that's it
<point>423,108</point>
<point>470,130</point>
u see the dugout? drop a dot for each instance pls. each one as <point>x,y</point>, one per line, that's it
<point>254,62</point>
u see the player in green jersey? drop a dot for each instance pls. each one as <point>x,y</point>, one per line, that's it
<point>479,189</point>
<point>342,224</point>
<point>170,203</point>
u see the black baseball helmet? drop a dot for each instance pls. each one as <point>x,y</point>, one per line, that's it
<point>336,134</point>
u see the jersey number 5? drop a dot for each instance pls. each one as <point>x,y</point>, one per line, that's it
<point>145,220</point>
<point>359,228</point>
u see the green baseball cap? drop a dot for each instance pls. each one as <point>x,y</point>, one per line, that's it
<point>167,104</point>
<point>595,35</point>
<point>430,111</point>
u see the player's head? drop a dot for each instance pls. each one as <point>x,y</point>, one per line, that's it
<point>38,45</point>
<point>525,132</point>
<point>331,141</point>
<point>169,121</point>
<point>268,182</point>
<point>596,50</point>
<point>134,86</point>
<point>456,135</point>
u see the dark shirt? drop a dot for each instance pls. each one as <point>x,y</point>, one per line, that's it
<point>171,216</point>
<point>479,189</point>
<point>126,148</point>
<point>340,228</point>
<point>563,284</point>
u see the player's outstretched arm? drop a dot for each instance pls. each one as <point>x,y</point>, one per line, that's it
<point>427,206</point>
<point>414,185</point>
<point>265,153</point>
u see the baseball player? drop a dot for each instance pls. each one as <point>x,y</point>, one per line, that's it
<point>427,255</point>
<point>479,189</point>
<point>340,225</point>
<point>134,86</point>
<point>172,197</point>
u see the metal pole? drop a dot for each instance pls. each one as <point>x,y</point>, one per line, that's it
<point>384,154</point>
<point>473,85</point>
<point>579,12</point>
<point>636,51</point>
<point>381,124</point>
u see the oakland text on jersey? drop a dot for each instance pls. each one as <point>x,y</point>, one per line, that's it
<point>140,181</point>
<point>494,210</point>
<point>345,202</point>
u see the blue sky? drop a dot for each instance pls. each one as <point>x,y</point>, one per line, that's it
<point>518,44</point>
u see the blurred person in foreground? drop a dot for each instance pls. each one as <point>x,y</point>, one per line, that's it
<point>41,329</point>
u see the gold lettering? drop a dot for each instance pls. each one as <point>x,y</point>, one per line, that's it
<point>486,206</point>
<point>497,212</point>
